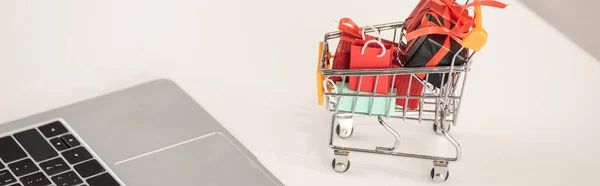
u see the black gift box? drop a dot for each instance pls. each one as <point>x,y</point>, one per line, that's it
<point>425,47</point>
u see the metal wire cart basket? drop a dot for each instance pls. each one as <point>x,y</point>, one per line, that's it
<point>438,105</point>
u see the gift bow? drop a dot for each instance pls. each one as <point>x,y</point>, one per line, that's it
<point>461,28</point>
<point>458,9</point>
<point>348,26</point>
<point>463,23</point>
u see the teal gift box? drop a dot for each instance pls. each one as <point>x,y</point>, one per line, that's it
<point>381,105</point>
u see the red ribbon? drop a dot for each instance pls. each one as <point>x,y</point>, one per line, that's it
<point>348,26</point>
<point>460,29</point>
<point>458,9</point>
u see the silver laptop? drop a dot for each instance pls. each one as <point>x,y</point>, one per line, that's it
<point>152,134</point>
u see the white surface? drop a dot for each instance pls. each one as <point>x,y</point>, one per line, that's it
<point>571,19</point>
<point>515,130</point>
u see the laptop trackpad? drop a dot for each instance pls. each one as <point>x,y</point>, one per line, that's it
<point>207,160</point>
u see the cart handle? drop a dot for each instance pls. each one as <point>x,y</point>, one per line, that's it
<point>320,76</point>
<point>477,37</point>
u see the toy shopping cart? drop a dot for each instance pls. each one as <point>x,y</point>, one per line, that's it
<point>438,102</point>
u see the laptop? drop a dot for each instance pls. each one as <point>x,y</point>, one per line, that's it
<point>151,134</point>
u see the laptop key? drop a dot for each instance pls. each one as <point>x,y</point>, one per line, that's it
<point>23,167</point>
<point>58,144</point>
<point>103,180</point>
<point>89,168</point>
<point>67,179</point>
<point>77,155</point>
<point>36,179</point>
<point>6,178</point>
<point>54,166</point>
<point>53,129</point>
<point>37,147</point>
<point>70,140</point>
<point>11,151</point>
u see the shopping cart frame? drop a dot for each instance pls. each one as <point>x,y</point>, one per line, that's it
<point>447,103</point>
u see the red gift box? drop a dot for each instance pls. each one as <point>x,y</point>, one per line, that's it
<point>341,60</point>
<point>435,30</point>
<point>369,54</point>
<point>416,89</point>
<point>453,20</point>
<point>437,6</point>
<point>401,84</point>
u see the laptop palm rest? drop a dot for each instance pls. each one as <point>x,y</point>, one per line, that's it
<point>206,160</point>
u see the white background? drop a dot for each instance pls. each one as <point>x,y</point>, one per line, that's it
<point>529,116</point>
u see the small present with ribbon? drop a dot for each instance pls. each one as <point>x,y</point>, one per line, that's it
<point>435,32</point>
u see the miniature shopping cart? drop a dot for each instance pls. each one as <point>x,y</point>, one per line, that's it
<point>437,105</point>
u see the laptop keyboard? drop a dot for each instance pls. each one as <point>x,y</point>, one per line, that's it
<point>49,155</point>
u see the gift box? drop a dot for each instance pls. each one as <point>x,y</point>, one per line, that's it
<point>435,30</point>
<point>401,84</point>
<point>430,50</point>
<point>381,105</point>
<point>413,21</point>
<point>424,49</point>
<point>341,59</point>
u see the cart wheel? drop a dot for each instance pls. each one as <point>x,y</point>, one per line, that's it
<point>344,133</point>
<point>340,166</point>
<point>435,128</point>
<point>439,177</point>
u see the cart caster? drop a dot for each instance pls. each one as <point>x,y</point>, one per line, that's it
<point>345,127</point>
<point>437,128</point>
<point>340,167</point>
<point>340,163</point>
<point>440,172</point>
<point>343,133</point>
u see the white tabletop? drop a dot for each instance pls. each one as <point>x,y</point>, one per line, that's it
<point>529,116</point>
